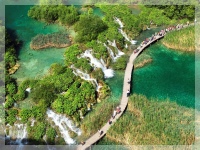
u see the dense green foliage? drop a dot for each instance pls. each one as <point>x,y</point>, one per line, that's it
<point>154,123</point>
<point>11,116</point>
<point>99,50</point>
<point>66,15</point>
<point>181,40</point>
<point>37,131</point>
<point>177,11</point>
<point>97,74</point>
<point>121,62</point>
<point>97,118</point>
<point>152,15</point>
<point>71,55</point>
<point>11,44</point>
<point>51,134</point>
<point>24,115</point>
<point>50,40</point>
<point>88,28</point>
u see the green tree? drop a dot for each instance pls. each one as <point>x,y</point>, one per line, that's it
<point>121,62</point>
<point>88,28</point>
<point>25,114</point>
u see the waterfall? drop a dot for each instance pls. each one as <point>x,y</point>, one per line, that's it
<point>85,76</point>
<point>63,122</point>
<point>122,32</point>
<point>126,46</point>
<point>17,132</point>
<point>108,73</point>
<point>119,53</point>
<point>110,52</point>
<point>119,22</point>
<point>126,37</point>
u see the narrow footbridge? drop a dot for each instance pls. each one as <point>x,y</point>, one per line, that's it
<point>124,100</point>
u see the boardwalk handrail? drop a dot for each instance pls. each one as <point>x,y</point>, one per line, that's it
<point>126,86</point>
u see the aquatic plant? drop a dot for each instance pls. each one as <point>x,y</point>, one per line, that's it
<point>151,122</point>
<point>183,39</point>
<point>58,40</point>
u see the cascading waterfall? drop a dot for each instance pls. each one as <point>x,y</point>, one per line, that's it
<point>85,76</point>
<point>63,122</point>
<point>108,73</point>
<point>17,132</point>
<point>119,53</point>
<point>122,32</point>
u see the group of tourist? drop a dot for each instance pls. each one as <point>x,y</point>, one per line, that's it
<point>161,33</point>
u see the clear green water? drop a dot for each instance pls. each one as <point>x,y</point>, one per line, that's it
<point>97,11</point>
<point>116,85</point>
<point>171,75</point>
<point>33,63</point>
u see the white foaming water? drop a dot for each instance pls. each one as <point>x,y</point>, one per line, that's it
<point>17,132</point>
<point>122,32</point>
<point>119,53</point>
<point>126,37</point>
<point>119,22</point>
<point>85,76</point>
<point>108,73</point>
<point>126,46</point>
<point>63,122</point>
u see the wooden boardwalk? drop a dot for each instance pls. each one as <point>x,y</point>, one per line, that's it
<point>124,100</point>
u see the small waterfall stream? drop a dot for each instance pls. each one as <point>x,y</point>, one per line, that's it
<point>108,73</point>
<point>122,32</point>
<point>17,133</point>
<point>85,76</point>
<point>63,123</point>
<point>118,54</point>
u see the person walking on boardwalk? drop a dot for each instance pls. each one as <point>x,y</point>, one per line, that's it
<point>110,122</point>
<point>100,132</point>
<point>128,93</point>
<point>118,109</point>
<point>114,114</point>
<point>128,81</point>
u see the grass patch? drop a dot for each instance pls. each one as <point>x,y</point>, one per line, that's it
<point>96,119</point>
<point>183,39</point>
<point>154,123</point>
<point>142,60</point>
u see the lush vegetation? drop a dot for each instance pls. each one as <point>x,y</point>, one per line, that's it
<point>181,40</point>
<point>97,118</point>
<point>177,11</point>
<point>58,40</point>
<point>88,28</point>
<point>12,44</point>
<point>150,122</point>
<point>66,15</point>
<point>80,63</point>
<point>121,63</point>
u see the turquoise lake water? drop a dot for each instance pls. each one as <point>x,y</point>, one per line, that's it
<point>33,63</point>
<point>170,75</point>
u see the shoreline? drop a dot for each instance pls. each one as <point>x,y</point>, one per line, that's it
<point>143,63</point>
<point>178,47</point>
<point>14,68</point>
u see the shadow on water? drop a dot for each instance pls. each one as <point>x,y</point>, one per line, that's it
<point>15,40</point>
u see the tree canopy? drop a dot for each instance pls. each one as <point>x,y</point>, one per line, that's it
<point>88,28</point>
<point>67,15</point>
